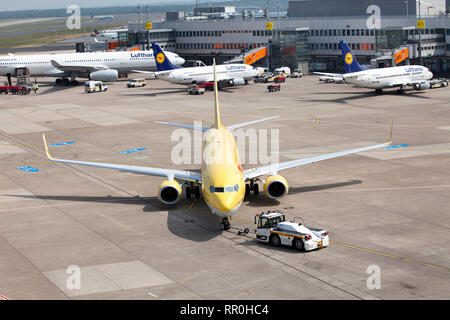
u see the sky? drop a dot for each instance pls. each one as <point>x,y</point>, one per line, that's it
<point>57,4</point>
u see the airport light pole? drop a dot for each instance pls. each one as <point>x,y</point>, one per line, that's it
<point>420,37</point>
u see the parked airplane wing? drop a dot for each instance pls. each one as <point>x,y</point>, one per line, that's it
<point>335,75</point>
<point>274,168</point>
<point>77,67</point>
<point>168,173</point>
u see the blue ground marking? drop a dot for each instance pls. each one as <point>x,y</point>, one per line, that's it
<point>28,169</point>
<point>132,151</point>
<point>398,146</point>
<point>61,144</point>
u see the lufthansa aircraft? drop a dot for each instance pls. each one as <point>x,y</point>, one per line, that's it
<point>101,66</point>
<point>222,181</point>
<point>228,75</point>
<point>414,76</point>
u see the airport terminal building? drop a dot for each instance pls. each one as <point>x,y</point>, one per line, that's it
<point>308,36</point>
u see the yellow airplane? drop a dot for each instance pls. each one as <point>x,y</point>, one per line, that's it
<point>223,182</point>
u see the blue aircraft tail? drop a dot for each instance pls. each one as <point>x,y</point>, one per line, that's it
<point>162,62</point>
<point>350,62</point>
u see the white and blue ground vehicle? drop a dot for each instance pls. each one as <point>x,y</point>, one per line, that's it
<point>273,228</point>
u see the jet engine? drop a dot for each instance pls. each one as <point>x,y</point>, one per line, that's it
<point>237,82</point>
<point>104,75</point>
<point>275,187</point>
<point>170,192</point>
<point>422,86</point>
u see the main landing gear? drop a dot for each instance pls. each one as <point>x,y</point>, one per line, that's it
<point>66,82</point>
<point>193,191</point>
<point>225,224</point>
<point>378,91</point>
<point>252,186</point>
<point>400,90</point>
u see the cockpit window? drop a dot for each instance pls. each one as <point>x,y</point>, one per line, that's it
<point>234,188</point>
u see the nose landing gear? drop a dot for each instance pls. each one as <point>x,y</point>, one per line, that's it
<point>225,224</point>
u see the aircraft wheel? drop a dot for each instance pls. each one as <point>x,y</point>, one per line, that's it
<point>275,240</point>
<point>379,91</point>
<point>197,192</point>
<point>256,189</point>
<point>247,189</point>
<point>188,192</point>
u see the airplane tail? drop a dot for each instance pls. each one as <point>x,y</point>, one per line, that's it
<point>217,122</point>
<point>162,62</point>
<point>350,62</point>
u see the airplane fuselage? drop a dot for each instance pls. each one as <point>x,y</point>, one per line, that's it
<point>205,74</point>
<point>388,77</point>
<point>223,186</point>
<point>41,65</point>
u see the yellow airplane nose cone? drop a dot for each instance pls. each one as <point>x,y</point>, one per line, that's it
<point>226,204</point>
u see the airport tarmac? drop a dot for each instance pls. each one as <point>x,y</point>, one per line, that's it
<point>386,208</point>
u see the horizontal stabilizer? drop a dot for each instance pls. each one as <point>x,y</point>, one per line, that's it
<point>246,124</point>
<point>186,126</point>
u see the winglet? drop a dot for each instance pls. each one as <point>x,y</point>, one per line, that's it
<point>46,148</point>
<point>391,134</point>
<point>217,122</point>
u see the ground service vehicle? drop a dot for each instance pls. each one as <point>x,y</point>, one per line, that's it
<point>4,89</point>
<point>439,83</point>
<point>283,71</point>
<point>134,83</point>
<point>94,86</point>
<point>19,90</point>
<point>280,79</point>
<point>297,74</point>
<point>274,87</point>
<point>196,89</point>
<point>273,228</point>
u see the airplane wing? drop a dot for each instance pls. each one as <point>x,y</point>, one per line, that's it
<point>77,67</point>
<point>274,168</point>
<point>335,75</point>
<point>168,173</point>
<point>153,73</point>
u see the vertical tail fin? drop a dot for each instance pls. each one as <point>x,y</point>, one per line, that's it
<point>217,122</point>
<point>162,62</point>
<point>350,62</point>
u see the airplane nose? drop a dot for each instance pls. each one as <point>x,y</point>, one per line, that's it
<point>227,204</point>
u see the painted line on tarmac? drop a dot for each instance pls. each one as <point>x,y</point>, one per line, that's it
<point>386,189</point>
<point>398,146</point>
<point>2,297</point>
<point>132,151</point>
<point>28,169</point>
<point>391,256</point>
<point>61,144</point>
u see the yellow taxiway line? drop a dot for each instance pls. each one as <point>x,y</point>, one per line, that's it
<point>390,256</point>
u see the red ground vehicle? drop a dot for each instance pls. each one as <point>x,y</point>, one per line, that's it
<point>274,87</point>
<point>280,79</point>
<point>4,89</point>
<point>19,90</point>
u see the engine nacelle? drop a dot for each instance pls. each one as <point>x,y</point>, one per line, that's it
<point>276,187</point>
<point>170,192</point>
<point>104,75</point>
<point>422,86</point>
<point>237,82</point>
